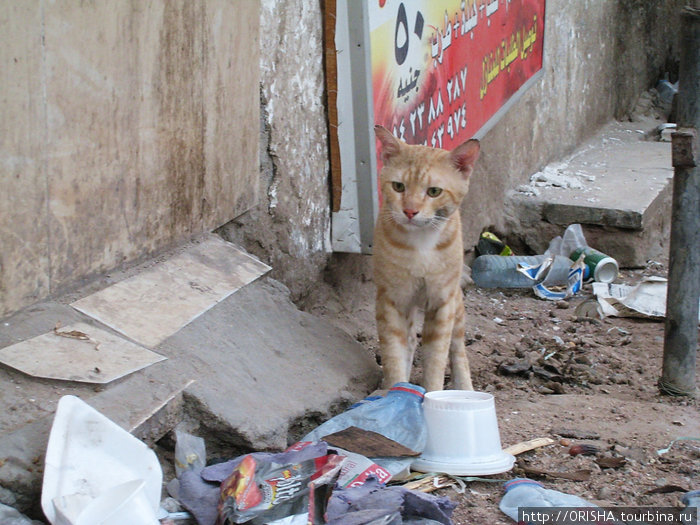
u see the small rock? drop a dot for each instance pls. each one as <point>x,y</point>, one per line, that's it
<point>583,360</point>
<point>632,453</point>
<point>594,378</point>
<point>558,388</point>
<point>604,493</point>
<point>619,379</point>
<point>521,367</point>
<point>534,357</point>
<point>577,369</point>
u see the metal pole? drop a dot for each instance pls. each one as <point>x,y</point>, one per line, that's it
<point>681,330</point>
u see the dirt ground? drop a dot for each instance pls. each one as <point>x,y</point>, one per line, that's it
<point>579,381</point>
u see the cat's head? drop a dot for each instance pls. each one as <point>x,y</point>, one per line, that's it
<point>422,186</point>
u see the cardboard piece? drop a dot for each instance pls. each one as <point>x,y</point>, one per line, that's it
<point>368,443</point>
<point>154,304</point>
<point>79,352</point>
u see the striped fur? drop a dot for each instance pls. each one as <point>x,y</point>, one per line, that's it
<point>418,258</point>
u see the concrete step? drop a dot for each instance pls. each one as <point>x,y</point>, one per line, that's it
<point>247,374</point>
<point>617,185</point>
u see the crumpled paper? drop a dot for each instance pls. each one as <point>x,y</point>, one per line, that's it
<point>647,299</point>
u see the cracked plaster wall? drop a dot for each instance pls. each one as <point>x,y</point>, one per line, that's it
<point>290,228</point>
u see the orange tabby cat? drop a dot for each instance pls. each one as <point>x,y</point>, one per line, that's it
<point>418,259</point>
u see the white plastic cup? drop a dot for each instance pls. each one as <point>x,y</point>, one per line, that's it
<point>463,436</point>
<point>119,505</point>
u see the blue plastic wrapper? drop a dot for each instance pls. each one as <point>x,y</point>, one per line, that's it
<point>397,416</point>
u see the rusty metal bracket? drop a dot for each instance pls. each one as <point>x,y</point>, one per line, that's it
<point>684,148</point>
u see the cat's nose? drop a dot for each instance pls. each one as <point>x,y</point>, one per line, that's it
<point>410,213</point>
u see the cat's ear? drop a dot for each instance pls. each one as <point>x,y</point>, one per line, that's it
<point>390,144</point>
<point>464,156</point>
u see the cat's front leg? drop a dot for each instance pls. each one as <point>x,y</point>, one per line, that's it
<point>437,334</point>
<point>461,374</point>
<point>394,347</point>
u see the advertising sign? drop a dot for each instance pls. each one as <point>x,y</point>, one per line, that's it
<point>442,68</point>
<point>438,73</point>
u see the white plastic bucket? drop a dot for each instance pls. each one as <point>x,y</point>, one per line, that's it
<point>463,436</point>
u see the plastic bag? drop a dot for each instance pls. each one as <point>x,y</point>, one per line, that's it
<point>190,452</point>
<point>572,240</point>
<point>397,416</point>
<point>260,491</point>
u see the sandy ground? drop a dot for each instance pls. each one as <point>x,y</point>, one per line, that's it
<point>555,374</point>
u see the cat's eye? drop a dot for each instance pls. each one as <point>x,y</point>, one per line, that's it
<point>434,191</point>
<point>399,187</point>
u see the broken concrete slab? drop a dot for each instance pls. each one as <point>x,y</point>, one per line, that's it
<point>260,369</point>
<point>617,185</point>
<point>144,404</point>
<point>267,365</point>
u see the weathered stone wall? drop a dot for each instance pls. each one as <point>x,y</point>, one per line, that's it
<point>116,141</point>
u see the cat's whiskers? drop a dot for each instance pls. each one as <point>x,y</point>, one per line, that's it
<point>438,222</point>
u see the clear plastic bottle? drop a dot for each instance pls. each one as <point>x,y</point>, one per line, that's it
<point>691,500</point>
<point>499,271</point>
<point>524,492</point>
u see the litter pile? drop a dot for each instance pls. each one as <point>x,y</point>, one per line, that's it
<point>375,463</point>
<point>561,271</point>
<point>356,468</point>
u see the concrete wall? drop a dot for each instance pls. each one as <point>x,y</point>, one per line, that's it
<point>127,127</point>
<point>599,56</point>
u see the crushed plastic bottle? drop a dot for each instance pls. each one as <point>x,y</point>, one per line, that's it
<point>667,92</point>
<point>397,416</point>
<point>498,271</point>
<point>524,492</point>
